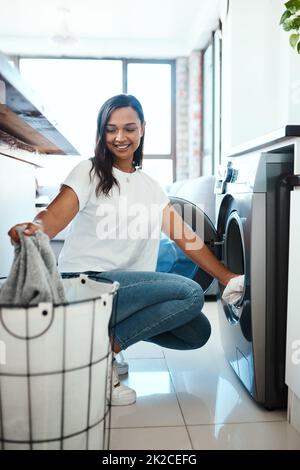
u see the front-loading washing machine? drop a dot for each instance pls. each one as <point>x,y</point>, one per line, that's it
<point>253,202</point>
<point>252,238</point>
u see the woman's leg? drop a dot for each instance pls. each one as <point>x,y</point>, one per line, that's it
<point>157,307</point>
<point>192,335</point>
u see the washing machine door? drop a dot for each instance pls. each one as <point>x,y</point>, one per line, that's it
<point>230,225</point>
<point>204,228</point>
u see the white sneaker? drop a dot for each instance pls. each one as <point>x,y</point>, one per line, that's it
<point>121,395</point>
<point>120,364</point>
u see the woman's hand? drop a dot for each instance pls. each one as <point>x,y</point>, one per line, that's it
<point>53,219</point>
<point>30,228</point>
<point>193,246</point>
<point>228,275</point>
<point>234,290</point>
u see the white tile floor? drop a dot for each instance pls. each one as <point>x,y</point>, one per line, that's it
<point>193,400</point>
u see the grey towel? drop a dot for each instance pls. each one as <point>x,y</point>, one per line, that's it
<point>34,276</point>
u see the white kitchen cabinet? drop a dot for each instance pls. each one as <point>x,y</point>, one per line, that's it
<point>293,323</point>
<point>27,132</point>
<point>17,203</point>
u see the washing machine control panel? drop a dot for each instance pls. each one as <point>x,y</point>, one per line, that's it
<point>227,174</point>
<point>237,175</point>
<point>230,174</point>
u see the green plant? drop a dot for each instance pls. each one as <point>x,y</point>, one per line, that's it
<point>290,22</point>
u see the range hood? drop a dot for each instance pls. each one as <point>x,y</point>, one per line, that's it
<point>25,118</point>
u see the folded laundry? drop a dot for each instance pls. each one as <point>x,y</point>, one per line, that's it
<point>34,277</point>
<point>234,290</point>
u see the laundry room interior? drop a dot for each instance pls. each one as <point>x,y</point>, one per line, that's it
<point>219,82</point>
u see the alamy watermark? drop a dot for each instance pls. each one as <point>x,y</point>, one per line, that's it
<point>2,353</point>
<point>139,221</point>
<point>296,352</point>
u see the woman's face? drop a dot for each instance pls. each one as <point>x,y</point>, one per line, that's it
<point>123,133</point>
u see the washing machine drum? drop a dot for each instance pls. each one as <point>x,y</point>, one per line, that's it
<point>173,260</point>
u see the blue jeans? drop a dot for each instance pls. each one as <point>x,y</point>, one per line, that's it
<point>160,308</point>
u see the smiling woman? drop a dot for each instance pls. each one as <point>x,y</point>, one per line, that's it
<point>119,140</point>
<point>124,131</point>
<point>118,212</point>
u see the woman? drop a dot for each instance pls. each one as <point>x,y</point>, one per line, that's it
<point>118,214</point>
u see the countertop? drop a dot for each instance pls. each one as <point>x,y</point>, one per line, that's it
<point>283,134</point>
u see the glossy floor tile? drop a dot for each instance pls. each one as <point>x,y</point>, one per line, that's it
<point>156,404</point>
<point>193,399</point>
<point>208,390</point>
<point>245,436</point>
<point>143,349</point>
<point>175,438</point>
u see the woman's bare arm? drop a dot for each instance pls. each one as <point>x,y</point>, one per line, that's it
<point>193,246</point>
<point>55,218</point>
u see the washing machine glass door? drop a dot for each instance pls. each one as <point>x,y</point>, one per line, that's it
<point>234,256</point>
<point>234,244</point>
<point>204,228</point>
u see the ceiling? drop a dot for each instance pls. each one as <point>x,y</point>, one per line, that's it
<point>103,28</point>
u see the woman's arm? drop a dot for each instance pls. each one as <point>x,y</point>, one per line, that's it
<point>53,219</point>
<point>193,246</point>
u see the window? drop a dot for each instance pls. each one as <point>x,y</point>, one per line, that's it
<point>207,162</point>
<point>74,89</point>
<point>212,78</point>
<point>161,169</point>
<point>151,84</point>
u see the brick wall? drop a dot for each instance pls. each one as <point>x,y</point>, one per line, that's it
<point>188,115</point>
<point>182,118</point>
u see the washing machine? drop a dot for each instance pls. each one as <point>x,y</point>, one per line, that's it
<point>252,238</point>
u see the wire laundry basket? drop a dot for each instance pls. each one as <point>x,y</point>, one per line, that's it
<point>55,368</point>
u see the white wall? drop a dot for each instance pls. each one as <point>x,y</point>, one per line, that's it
<point>261,72</point>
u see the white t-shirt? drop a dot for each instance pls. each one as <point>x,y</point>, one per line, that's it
<point>120,231</point>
